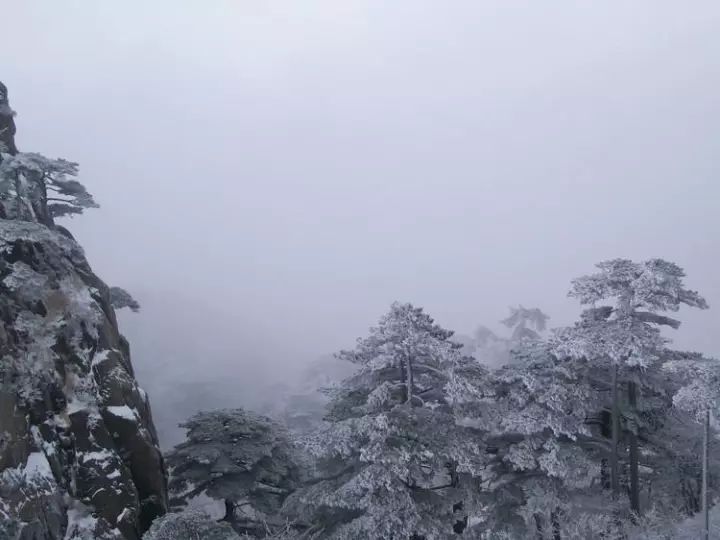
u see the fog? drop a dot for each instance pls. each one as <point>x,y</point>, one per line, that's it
<point>272,175</point>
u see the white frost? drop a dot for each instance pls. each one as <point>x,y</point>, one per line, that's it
<point>100,357</point>
<point>123,411</point>
<point>81,523</point>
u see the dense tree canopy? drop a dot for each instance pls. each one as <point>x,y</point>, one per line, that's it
<point>241,458</point>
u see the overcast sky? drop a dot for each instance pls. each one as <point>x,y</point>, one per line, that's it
<point>273,174</point>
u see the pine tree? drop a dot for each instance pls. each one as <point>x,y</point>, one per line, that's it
<point>238,457</point>
<point>392,462</point>
<point>525,323</point>
<point>36,188</point>
<point>541,459</point>
<point>624,336</point>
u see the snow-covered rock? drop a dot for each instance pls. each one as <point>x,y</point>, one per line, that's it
<point>79,456</point>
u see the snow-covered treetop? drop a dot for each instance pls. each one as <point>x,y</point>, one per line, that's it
<point>404,327</point>
<point>404,358</point>
<point>627,330</point>
<point>526,322</point>
<point>654,285</point>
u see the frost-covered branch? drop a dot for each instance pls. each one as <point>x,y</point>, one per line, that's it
<point>120,298</point>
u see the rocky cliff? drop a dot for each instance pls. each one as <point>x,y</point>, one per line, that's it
<point>79,456</point>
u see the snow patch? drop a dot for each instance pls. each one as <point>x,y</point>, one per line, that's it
<point>37,466</point>
<point>36,472</point>
<point>81,523</point>
<point>99,456</point>
<point>124,515</point>
<point>124,412</point>
<point>26,281</point>
<point>76,405</point>
<point>100,357</point>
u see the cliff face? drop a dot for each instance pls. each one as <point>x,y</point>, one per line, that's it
<point>79,456</point>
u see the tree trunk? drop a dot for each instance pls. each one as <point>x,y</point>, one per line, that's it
<point>555,518</point>
<point>705,501</point>
<point>410,383</point>
<point>614,465</point>
<point>606,433</point>
<point>42,211</point>
<point>634,452</point>
<point>229,511</point>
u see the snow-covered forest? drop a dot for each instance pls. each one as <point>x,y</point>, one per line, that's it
<point>597,430</point>
<point>375,272</point>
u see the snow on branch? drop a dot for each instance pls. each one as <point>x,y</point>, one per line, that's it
<point>120,298</point>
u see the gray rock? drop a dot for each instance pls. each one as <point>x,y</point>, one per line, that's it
<point>70,407</point>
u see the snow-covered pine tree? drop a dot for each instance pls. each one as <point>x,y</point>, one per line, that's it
<point>36,188</point>
<point>533,412</point>
<point>392,462</point>
<point>623,336</point>
<point>241,458</point>
<point>526,323</point>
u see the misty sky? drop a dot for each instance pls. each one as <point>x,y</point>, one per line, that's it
<point>273,174</point>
